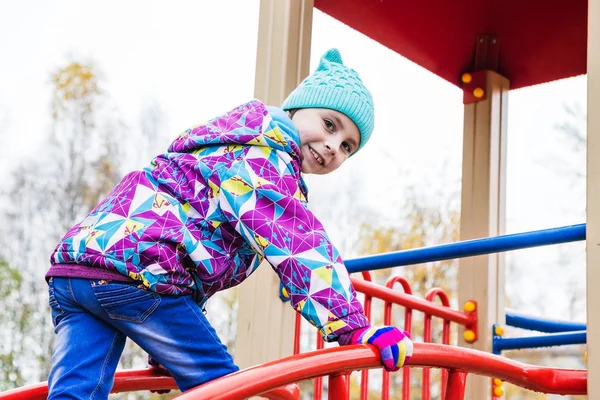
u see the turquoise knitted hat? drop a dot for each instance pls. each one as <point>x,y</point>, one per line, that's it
<point>335,86</point>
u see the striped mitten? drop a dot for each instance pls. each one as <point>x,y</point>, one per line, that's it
<point>394,345</point>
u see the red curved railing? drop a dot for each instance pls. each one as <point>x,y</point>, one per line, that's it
<point>410,303</point>
<point>276,379</point>
<point>141,379</point>
<point>338,362</point>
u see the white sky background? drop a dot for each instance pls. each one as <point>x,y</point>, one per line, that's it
<point>197,59</point>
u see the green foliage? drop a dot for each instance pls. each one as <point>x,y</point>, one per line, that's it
<point>11,280</point>
<point>11,318</point>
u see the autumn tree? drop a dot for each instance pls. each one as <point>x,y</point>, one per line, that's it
<point>50,190</point>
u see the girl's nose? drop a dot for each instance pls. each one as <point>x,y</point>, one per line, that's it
<point>331,147</point>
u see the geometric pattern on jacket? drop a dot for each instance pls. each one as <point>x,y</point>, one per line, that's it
<point>226,195</point>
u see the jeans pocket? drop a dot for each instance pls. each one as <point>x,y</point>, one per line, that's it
<point>55,307</point>
<point>124,301</point>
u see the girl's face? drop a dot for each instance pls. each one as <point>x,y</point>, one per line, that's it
<point>327,139</point>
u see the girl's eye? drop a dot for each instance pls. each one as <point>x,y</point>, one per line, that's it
<point>329,125</point>
<point>347,147</point>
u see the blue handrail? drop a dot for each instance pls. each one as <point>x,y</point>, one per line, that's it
<point>530,342</point>
<point>541,324</point>
<point>468,248</point>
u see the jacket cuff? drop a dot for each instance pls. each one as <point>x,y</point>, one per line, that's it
<point>352,337</point>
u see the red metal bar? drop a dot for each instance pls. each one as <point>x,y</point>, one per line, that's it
<point>318,388</point>
<point>338,360</point>
<point>38,391</point>
<point>287,392</point>
<point>256,380</point>
<point>125,381</point>
<point>141,379</point>
<point>422,305</point>
<point>339,387</point>
<point>456,385</point>
<point>318,384</point>
<point>437,292</point>
<point>366,276</point>
<point>387,320</point>
<point>428,338</point>
<point>425,389</point>
<point>367,306</point>
<point>406,300</point>
<point>297,333</point>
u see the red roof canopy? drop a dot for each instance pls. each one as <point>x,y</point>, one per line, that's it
<point>538,41</point>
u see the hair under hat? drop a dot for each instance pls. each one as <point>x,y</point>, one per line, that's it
<point>338,87</point>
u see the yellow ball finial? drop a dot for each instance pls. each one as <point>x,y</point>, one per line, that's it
<point>498,330</point>
<point>497,382</point>
<point>469,336</point>
<point>498,391</point>
<point>478,93</point>
<point>466,77</point>
<point>284,293</point>
<point>470,306</point>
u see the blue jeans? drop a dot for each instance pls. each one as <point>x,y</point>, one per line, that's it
<point>92,319</point>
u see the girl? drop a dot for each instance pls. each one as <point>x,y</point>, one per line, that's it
<point>201,218</point>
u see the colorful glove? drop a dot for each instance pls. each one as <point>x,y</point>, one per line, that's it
<point>395,347</point>
<point>153,364</point>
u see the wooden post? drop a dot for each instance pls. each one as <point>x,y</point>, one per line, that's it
<point>593,200</point>
<point>483,214</point>
<point>265,328</point>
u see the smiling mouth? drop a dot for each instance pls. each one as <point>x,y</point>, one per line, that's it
<point>316,156</point>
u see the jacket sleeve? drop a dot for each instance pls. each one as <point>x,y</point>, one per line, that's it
<point>260,197</point>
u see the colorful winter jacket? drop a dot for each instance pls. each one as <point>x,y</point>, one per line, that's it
<point>202,216</point>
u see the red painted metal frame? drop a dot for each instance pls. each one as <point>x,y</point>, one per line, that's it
<point>387,320</point>
<point>456,385</point>
<point>340,361</point>
<point>427,338</point>
<point>410,303</point>
<point>134,380</point>
<point>318,383</point>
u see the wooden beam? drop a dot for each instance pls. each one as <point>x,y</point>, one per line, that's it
<point>483,214</point>
<point>265,329</point>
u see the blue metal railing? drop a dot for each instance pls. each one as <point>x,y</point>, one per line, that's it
<point>531,342</point>
<point>468,248</point>
<point>557,332</point>
<point>541,324</point>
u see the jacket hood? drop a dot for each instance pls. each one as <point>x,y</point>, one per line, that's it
<point>252,123</point>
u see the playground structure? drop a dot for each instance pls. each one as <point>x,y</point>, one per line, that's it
<point>548,41</point>
<point>277,379</point>
<point>465,320</point>
<point>486,49</point>
<point>337,363</point>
